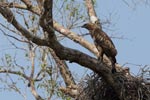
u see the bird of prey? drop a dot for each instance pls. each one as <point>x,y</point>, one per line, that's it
<point>103,43</point>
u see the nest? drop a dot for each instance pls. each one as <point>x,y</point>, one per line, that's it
<point>132,88</point>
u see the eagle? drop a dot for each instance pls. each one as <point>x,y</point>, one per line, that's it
<point>103,43</point>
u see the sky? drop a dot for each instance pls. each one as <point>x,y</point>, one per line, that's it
<point>131,22</point>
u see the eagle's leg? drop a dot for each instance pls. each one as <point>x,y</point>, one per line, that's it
<point>100,58</point>
<point>113,69</point>
<point>101,54</point>
<point>113,61</point>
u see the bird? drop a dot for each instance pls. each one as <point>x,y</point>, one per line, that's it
<point>103,43</point>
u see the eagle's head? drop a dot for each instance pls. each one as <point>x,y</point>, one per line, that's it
<point>89,26</point>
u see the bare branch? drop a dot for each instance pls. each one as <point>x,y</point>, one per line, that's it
<point>34,92</point>
<point>32,57</point>
<point>94,19</point>
<point>21,6</point>
<point>6,12</point>
<point>71,54</point>
<point>62,52</point>
<point>31,82</point>
<point>75,38</point>
<point>64,70</point>
<point>15,72</point>
<point>46,20</point>
<point>13,5</point>
<point>70,34</point>
<point>28,3</point>
<point>11,36</point>
<point>91,11</point>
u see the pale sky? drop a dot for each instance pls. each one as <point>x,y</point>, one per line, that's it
<point>132,24</point>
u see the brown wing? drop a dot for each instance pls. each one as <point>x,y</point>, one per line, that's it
<point>102,39</point>
<point>103,43</point>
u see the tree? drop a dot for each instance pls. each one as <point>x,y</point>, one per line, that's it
<point>103,43</point>
<point>38,31</point>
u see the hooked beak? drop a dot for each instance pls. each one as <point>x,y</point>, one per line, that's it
<point>83,26</point>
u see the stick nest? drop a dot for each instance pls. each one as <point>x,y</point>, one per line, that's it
<point>132,88</point>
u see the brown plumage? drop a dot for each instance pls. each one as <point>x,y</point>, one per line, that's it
<point>103,43</point>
